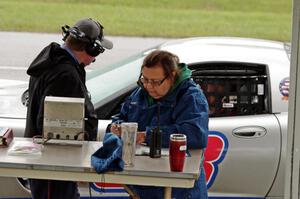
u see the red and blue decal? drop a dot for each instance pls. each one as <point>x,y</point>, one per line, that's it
<point>107,187</point>
<point>284,87</point>
<point>214,154</point>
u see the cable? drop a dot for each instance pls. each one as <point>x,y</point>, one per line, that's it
<point>40,137</point>
<point>85,136</point>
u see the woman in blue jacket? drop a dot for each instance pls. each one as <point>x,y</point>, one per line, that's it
<point>183,109</point>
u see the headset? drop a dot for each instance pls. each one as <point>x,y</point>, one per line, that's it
<point>93,47</point>
<point>139,82</point>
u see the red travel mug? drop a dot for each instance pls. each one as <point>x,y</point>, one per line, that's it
<point>177,150</point>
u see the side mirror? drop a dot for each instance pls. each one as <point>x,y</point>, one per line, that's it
<point>25,98</point>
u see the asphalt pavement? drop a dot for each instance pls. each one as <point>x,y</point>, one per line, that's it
<point>17,50</point>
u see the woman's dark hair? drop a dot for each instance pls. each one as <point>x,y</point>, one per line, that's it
<point>167,60</point>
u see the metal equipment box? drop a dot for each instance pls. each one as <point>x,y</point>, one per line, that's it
<point>63,118</point>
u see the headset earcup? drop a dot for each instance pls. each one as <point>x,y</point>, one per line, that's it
<point>94,49</point>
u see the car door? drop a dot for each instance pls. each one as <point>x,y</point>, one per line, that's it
<point>242,156</point>
<point>252,155</point>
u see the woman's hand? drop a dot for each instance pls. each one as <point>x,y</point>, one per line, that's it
<point>115,129</point>
<point>140,137</point>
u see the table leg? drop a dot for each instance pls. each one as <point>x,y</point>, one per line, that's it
<point>168,193</point>
<point>132,194</point>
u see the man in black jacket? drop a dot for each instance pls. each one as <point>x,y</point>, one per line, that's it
<point>59,71</point>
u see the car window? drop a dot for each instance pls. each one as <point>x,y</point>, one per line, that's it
<point>107,84</point>
<point>233,89</point>
<point>113,107</point>
<point>110,85</point>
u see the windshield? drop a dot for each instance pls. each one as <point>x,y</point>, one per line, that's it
<point>106,83</point>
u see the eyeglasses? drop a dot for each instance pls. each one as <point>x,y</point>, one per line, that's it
<point>153,82</point>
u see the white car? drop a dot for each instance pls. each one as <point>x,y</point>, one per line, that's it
<point>246,82</point>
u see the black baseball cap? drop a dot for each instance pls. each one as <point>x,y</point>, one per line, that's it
<point>94,31</point>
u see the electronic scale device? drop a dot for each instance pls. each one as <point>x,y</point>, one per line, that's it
<point>63,118</point>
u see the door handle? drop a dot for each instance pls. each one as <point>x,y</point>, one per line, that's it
<point>249,132</point>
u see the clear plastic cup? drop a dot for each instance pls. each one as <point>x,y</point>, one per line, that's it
<point>128,136</point>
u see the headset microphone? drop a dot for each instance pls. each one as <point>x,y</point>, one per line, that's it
<point>139,82</point>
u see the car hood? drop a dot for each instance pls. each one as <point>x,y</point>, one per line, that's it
<point>11,98</point>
